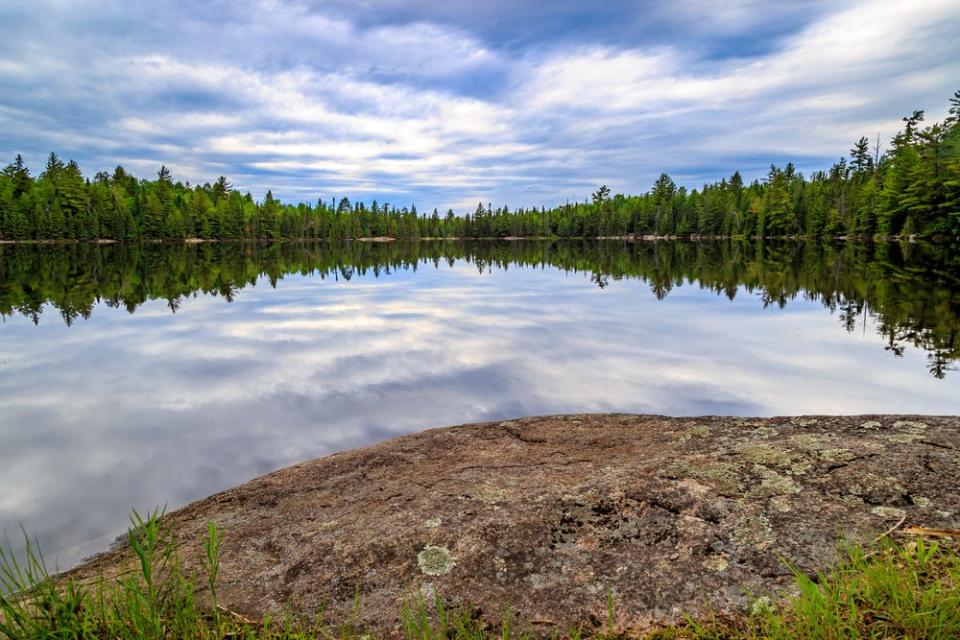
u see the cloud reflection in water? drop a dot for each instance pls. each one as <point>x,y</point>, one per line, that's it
<point>153,408</point>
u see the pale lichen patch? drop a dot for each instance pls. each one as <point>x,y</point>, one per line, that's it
<point>875,487</point>
<point>722,475</point>
<point>694,431</point>
<point>435,561</point>
<point>870,425</point>
<point>837,455</point>
<point>910,425</point>
<point>491,495</point>
<point>812,441</point>
<point>781,504</point>
<point>763,432</point>
<point>888,512</point>
<point>772,456</point>
<point>765,454</point>
<point>716,563</point>
<point>804,422</point>
<point>774,484</point>
<point>753,530</point>
<point>910,431</point>
<point>433,523</point>
<point>538,581</point>
<point>904,438</point>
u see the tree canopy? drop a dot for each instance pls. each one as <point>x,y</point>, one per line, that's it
<point>912,188</point>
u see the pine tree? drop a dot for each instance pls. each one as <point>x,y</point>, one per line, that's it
<point>860,155</point>
<point>221,189</point>
<point>73,203</point>
<point>269,224</point>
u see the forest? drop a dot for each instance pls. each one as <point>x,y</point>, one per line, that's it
<point>912,188</point>
<point>912,289</point>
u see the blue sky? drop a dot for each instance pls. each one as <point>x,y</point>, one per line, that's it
<point>448,103</point>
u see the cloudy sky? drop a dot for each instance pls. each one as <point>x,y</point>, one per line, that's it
<point>447,103</point>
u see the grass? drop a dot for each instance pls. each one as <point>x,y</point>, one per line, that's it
<point>909,590</point>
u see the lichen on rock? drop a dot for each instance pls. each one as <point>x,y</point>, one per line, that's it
<point>725,476</point>
<point>909,431</point>
<point>716,563</point>
<point>888,512</point>
<point>693,512</point>
<point>772,456</point>
<point>753,530</point>
<point>435,561</point>
<point>774,484</point>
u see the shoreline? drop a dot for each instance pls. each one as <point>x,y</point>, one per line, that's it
<point>913,239</point>
<point>562,508</point>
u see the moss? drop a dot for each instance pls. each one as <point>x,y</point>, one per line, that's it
<point>435,561</point>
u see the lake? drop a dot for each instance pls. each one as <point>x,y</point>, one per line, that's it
<point>149,375</point>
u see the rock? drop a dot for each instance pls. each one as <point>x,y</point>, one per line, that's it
<point>548,516</point>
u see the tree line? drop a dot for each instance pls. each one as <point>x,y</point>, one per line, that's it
<point>912,188</point>
<point>911,289</point>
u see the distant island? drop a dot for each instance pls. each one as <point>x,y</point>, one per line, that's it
<point>912,189</point>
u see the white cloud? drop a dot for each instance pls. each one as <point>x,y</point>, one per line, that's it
<point>280,96</point>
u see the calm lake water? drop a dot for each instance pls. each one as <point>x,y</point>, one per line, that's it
<point>136,377</point>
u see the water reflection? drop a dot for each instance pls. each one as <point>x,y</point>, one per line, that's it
<point>110,401</point>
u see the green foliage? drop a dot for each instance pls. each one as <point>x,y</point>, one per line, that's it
<point>914,188</point>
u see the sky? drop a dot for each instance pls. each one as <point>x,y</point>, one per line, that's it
<point>445,104</point>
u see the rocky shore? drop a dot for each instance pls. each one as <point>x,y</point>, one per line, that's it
<point>550,516</point>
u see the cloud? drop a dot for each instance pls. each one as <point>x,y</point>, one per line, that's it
<point>447,105</point>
